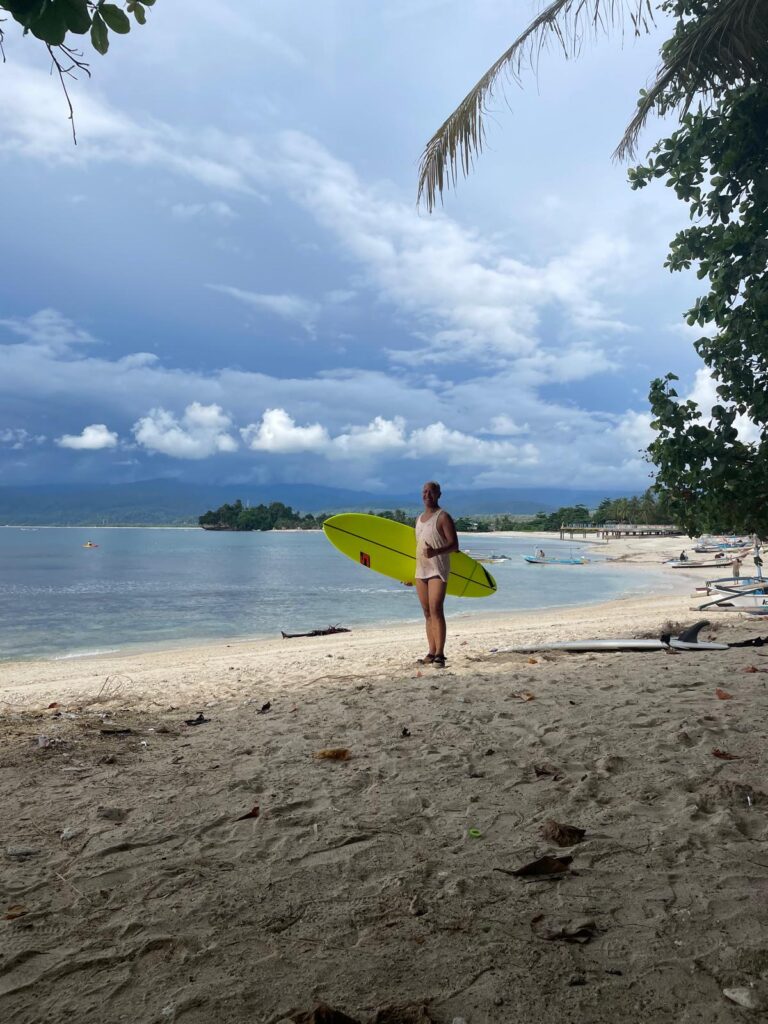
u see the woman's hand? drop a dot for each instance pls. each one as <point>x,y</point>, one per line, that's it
<point>429,551</point>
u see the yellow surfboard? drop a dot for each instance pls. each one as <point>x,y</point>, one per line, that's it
<point>390,549</point>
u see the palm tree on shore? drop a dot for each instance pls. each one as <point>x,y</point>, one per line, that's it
<point>714,43</point>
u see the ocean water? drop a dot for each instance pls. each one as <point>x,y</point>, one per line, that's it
<point>158,587</point>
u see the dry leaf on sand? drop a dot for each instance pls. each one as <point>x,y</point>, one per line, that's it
<point>544,867</point>
<point>570,931</point>
<point>523,695</point>
<point>253,813</point>
<point>547,771</point>
<point>724,755</point>
<point>333,754</point>
<point>561,835</point>
<point>723,694</point>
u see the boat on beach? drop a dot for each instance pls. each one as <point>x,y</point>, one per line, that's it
<point>751,598</point>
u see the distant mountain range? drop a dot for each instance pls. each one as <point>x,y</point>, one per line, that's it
<point>171,503</point>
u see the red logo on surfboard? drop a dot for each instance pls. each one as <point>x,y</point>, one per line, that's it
<point>365,559</point>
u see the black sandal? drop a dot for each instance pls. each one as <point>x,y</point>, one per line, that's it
<point>439,661</point>
<point>426,660</point>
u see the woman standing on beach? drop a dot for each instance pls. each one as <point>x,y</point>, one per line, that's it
<point>435,540</point>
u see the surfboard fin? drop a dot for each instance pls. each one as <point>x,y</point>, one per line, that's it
<point>691,634</point>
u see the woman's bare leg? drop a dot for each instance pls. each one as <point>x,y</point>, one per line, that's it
<point>422,589</point>
<point>436,592</point>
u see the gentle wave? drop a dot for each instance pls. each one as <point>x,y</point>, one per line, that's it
<point>84,654</point>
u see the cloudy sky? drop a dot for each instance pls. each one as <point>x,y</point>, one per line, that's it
<point>228,278</point>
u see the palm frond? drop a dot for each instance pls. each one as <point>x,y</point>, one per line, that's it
<point>460,138</point>
<point>726,45</point>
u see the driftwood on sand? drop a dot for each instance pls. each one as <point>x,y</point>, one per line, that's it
<point>316,632</point>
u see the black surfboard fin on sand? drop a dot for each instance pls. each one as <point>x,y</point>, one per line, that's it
<point>691,634</point>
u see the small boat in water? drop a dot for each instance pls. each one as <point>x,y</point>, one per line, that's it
<point>537,560</point>
<point>90,544</point>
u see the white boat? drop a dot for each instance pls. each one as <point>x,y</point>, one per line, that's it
<point>729,584</point>
<point>750,598</point>
<point>689,563</point>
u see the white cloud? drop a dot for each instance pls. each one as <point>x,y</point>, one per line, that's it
<point>201,432</point>
<point>35,125</point>
<point>48,329</point>
<point>378,437</point>
<point>288,307</point>
<point>18,438</point>
<point>458,448</point>
<point>277,433</point>
<point>92,439</point>
<point>505,426</point>
<point>466,298</point>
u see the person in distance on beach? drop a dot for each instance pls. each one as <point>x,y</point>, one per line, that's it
<point>435,540</point>
<point>736,567</point>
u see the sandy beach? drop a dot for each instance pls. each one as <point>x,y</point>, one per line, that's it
<point>155,870</point>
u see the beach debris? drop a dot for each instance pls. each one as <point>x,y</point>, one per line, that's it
<point>54,704</point>
<point>265,708</point>
<point>753,668</point>
<point>576,980</point>
<point>524,695</point>
<point>749,998</point>
<point>580,931</point>
<point>322,1014</point>
<point>253,813</point>
<point>403,1013</point>
<point>405,732</point>
<point>489,752</point>
<point>116,814</point>
<point>724,755</point>
<point>547,771</point>
<point>21,852</point>
<point>70,832</point>
<point>316,632</point>
<point>542,867</point>
<point>723,694</point>
<point>417,906</point>
<point>333,754</point>
<point>116,732</point>
<point>200,720</point>
<point>474,833</point>
<point>43,741</point>
<point>533,661</point>
<point>14,911</point>
<point>561,835</point>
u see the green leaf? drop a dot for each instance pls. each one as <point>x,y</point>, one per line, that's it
<point>139,13</point>
<point>117,19</point>
<point>50,26</point>
<point>99,34</point>
<point>24,11</point>
<point>76,15</point>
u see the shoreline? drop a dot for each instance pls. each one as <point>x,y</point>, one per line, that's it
<point>624,554</point>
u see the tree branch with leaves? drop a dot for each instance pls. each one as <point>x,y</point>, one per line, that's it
<point>56,22</point>
<point>718,40</point>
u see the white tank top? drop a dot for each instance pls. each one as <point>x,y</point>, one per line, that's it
<point>427,534</point>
